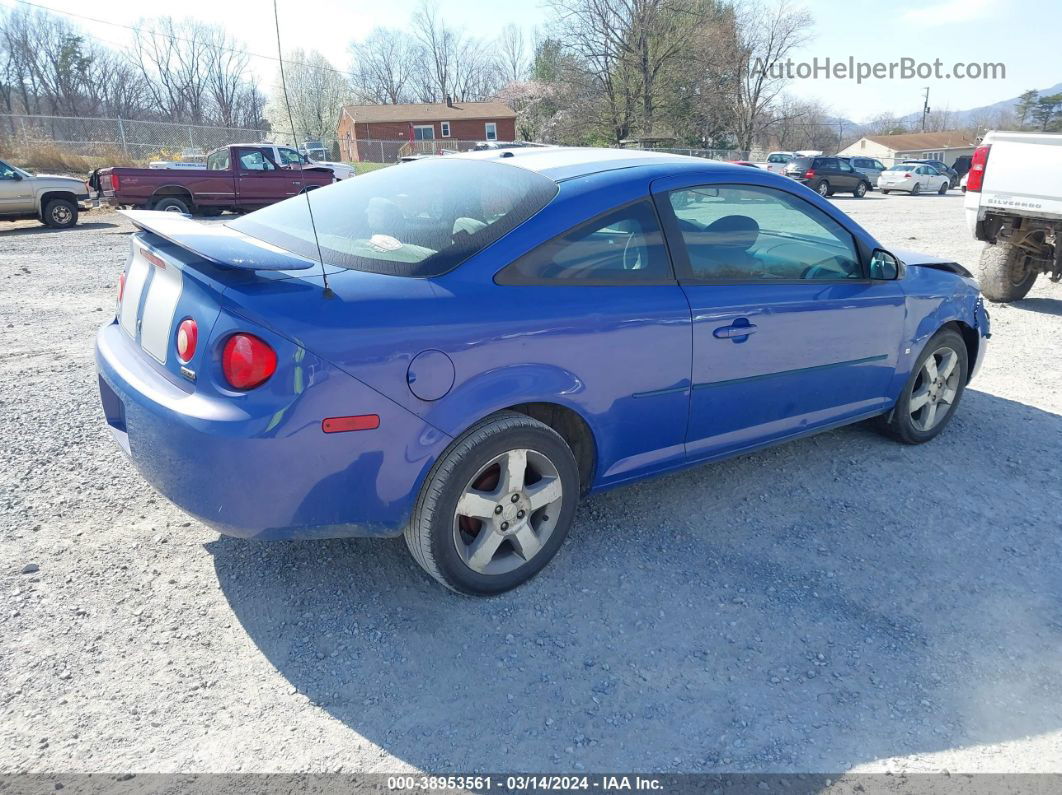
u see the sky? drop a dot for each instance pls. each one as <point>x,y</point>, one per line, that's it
<point>1021,34</point>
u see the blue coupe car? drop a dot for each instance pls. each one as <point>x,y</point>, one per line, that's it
<point>457,349</point>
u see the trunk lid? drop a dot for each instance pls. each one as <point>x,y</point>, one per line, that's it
<point>180,269</point>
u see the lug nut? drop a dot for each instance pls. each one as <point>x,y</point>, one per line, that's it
<point>505,525</point>
<point>519,514</point>
<point>497,509</point>
<point>514,498</point>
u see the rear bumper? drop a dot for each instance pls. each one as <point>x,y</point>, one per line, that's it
<point>270,474</point>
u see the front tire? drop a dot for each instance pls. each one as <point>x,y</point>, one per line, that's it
<point>496,507</point>
<point>861,190</point>
<point>823,188</point>
<point>1005,273</point>
<point>933,391</point>
<point>59,214</point>
<point>916,189</point>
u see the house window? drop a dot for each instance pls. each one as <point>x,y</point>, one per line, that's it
<point>423,132</point>
<point>445,129</point>
<point>863,143</point>
<point>491,130</point>
<point>933,156</point>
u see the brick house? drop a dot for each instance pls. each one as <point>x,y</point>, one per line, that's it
<point>420,127</point>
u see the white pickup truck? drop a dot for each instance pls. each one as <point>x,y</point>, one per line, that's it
<point>1014,203</point>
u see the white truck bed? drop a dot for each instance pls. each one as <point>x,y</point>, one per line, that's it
<point>1023,178</point>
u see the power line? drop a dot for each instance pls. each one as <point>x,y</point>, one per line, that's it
<point>174,37</point>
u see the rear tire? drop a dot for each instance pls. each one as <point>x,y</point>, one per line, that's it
<point>916,189</point>
<point>943,188</point>
<point>59,214</point>
<point>884,192</point>
<point>1005,274</point>
<point>861,190</point>
<point>172,204</point>
<point>461,531</point>
<point>933,391</point>
<point>823,188</point>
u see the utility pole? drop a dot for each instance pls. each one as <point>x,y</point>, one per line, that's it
<point>925,109</point>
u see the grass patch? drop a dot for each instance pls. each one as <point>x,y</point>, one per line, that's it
<point>364,167</point>
<point>49,158</point>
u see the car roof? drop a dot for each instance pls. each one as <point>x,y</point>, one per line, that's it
<point>568,162</point>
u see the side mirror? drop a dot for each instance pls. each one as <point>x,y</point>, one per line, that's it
<point>884,266</point>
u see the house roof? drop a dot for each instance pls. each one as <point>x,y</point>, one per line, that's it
<point>905,142</point>
<point>439,111</point>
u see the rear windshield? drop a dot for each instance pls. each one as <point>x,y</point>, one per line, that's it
<point>800,162</point>
<point>413,219</point>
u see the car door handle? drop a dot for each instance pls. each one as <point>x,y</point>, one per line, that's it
<point>737,331</point>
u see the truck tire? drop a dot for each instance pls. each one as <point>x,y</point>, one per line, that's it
<point>1004,275</point>
<point>59,214</point>
<point>172,204</point>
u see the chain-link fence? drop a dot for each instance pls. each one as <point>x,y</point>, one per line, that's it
<point>136,140</point>
<point>145,141</point>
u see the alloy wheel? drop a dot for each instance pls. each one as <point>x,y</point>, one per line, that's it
<point>935,389</point>
<point>507,511</point>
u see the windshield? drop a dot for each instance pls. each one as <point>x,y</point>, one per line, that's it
<point>418,219</point>
<point>9,172</point>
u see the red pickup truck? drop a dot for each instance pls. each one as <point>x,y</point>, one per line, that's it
<point>239,177</point>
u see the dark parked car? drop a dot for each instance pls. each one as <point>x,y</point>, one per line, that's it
<point>827,175</point>
<point>867,166</point>
<point>962,165</point>
<point>941,167</point>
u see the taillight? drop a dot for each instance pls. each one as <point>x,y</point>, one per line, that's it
<point>978,164</point>
<point>906,176</point>
<point>121,286</point>
<point>247,361</point>
<point>114,181</point>
<point>809,173</point>
<point>187,337</point>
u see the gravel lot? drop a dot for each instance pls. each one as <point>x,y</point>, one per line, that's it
<point>834,603</point>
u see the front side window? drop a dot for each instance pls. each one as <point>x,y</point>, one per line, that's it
<point>254,160</point>
<point>624,246</point>
<point>290,157</point>
<point>491,131</point>
<point>741,233</point>
<point>6,172</point>
<point>418,219</point>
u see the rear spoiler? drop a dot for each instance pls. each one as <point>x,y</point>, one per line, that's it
<point>217,243</point>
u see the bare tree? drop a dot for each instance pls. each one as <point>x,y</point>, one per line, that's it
<point>174,57</point>
<point>437,52</point>
<point>513,55</point>
<point>317,92</point>
<point>383,66</point>
<point>763,39</point>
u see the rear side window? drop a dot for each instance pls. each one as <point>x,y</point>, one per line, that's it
<point>415,219</point>
<point>624,246</point>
